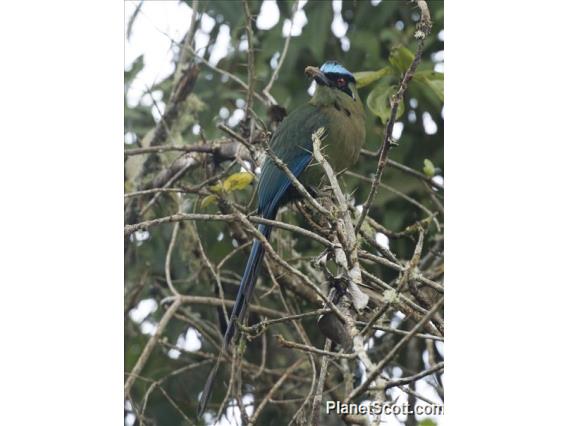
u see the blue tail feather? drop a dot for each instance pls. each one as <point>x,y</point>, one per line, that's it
<point>239,309</point>
<point>247,285</point>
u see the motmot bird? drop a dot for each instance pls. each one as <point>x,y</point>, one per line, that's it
<point>337,108</point>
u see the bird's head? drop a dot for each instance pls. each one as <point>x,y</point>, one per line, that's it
<point>334,75</point>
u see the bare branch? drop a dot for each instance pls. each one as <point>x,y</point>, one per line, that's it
<point>424,29</point>
<point>287,344</point>
<point>268,87</point>
<point>150,346</point>
<point>386,359</point>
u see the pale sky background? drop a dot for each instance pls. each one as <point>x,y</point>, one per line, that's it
<point>160,22</point>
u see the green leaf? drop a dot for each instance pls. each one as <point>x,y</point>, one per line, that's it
<point>217,188</point>
<point>437,87</point>
<point>427,422</point>
<point>364,78</point>
<point>401,58</point>
<point>434,81</point>
<point>378,102</point>
<point>210,199</point>
<point>237,181</point>
<point>365,42</point>
<point>136,67</point>
<point>429,169</point>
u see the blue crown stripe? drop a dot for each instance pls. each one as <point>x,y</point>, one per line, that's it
<point>333,67</point>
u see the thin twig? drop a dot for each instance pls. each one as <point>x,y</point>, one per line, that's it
<point>406,169</point>
<point>155,190</point>
<point>400,194</point>
<point>169,183</point>
<point>273,389</point>
<point>424,27</point>
<point>305,279</point>
<point>316,408</point>
<point>293,345</point>
<point>417,275</point>
<point>250,58</point>
<point>296,183</point>
<point>167,269</point>
<point>402,332</point>
<point>209,149</point>
<point>150,345</point>
<point>212,301</point>
<point>415,173</point>
<point>130,229</point>
<point>227,74</point>
<point>415,377</point>
<point>386,359</point>
<point>268,87</point>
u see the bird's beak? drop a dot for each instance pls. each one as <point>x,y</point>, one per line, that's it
<point>317,75</point>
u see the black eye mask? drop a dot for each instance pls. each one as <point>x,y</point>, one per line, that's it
<point>341,82</point>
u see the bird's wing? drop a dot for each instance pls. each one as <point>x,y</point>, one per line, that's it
<point>291,143</point>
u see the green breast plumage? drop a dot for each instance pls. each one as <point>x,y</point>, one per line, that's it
<point>344,122</point>
<point>345,132</point>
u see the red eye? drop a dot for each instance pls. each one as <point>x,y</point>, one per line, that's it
<point>340,81</point>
